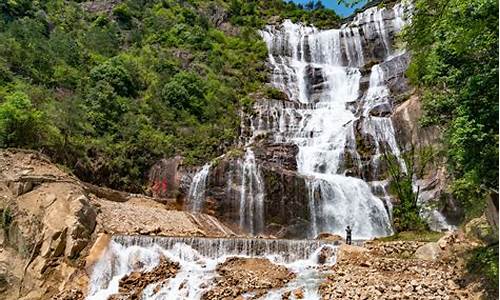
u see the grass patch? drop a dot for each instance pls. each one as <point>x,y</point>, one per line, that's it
<point>420,236</point>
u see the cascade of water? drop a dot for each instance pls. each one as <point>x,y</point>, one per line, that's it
<point>198,259</point>
<point>252,195</point>
<point>196,195</point>
<point>381,128</point>
<point>323,125</point>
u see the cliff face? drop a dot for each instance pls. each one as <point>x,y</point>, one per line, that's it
<point>439,208</point>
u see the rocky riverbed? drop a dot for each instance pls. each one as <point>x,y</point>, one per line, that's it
<point>390,270</point>
<point>252,276</point>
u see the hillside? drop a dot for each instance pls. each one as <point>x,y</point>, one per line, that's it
<point>106,88</point>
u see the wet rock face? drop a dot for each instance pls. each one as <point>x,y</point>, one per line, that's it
<point>286,209</point>
<point>280,155</point>
<point>381,110</point>
<point>243,275</point>
<point>315,83</point>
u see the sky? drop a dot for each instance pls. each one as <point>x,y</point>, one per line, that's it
<point>339,9</point>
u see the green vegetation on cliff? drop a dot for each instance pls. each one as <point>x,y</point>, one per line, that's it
<point>108,87</point>
<point>454,46</point>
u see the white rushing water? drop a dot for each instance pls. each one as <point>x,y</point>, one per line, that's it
<point>197,189</point>
<point>320,70</point>
<point>198,258</point>
<point>251,192</point>
<point>251,195</point>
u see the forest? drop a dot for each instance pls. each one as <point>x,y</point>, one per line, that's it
<point>108,90</point>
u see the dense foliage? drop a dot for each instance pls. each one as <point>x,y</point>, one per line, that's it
<point>406,212</point>
<point>260,12</point>
<point>454,46</point>
<point>107,88</point>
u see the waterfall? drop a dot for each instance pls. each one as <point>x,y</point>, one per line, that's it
<point>197,189</point>
<point>321,72</point>
<point>198,259</point>
<point>251,195</point>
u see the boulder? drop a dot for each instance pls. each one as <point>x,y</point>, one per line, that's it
<point>325,254</point>
<point>97,251</point>
<point>329,237</point>
<point>429,251</point>
<point>299,294</point>
<point>480,229</point>
<point>381,110</point>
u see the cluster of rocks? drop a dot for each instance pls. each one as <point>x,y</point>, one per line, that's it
<point>255,276</point>
<point>391,278</point>
<point>396,248</point>
<point>132,285</point>
<point>402,270</point>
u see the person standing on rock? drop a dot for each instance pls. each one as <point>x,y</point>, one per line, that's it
<point>348,232</point>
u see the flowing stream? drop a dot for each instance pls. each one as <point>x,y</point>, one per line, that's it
<point>198,259</point>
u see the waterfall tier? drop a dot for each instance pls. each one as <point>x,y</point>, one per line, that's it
<point>286,250</point>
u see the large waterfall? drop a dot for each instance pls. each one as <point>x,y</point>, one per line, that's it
<point>339,100</point>
<point>322,71</point>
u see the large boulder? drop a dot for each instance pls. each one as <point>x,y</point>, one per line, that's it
<point>327,236</point>
<point>429,251</point>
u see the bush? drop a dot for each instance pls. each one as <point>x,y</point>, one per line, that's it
<point>484,261</point>
<point>21,125</point>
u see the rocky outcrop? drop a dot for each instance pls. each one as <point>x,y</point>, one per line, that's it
<point>164,178</point>
<point>50,220</point>
<point>132,285</point>
<point>432,177</point>
<point>247,275</point>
